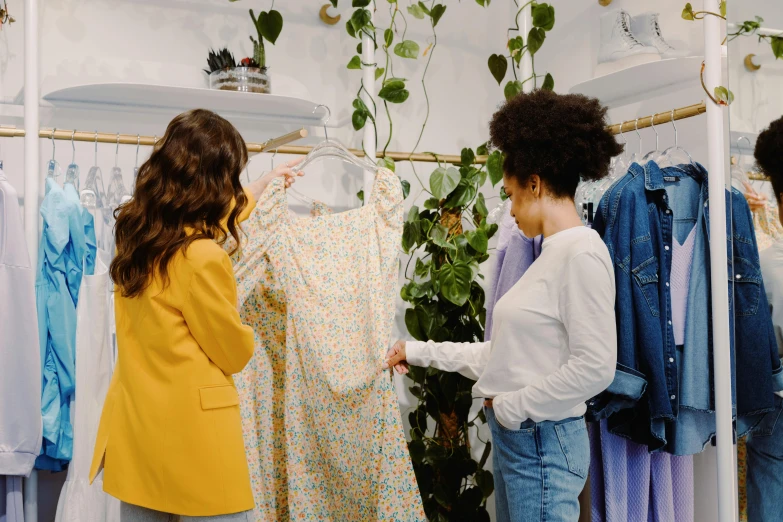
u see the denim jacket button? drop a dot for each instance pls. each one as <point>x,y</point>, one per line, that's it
<point>671,359</point>
<point>666,247</point>
<point>738,276</point>
<point>670,323</point>
<point>667,284</point>
<point>705,204</point>
<point>668,211</point>
<point>674,397</point>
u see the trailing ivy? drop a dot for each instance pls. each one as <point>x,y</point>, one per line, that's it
<point>543,17</point>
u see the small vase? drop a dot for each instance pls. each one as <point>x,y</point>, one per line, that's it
<point>242,79</point>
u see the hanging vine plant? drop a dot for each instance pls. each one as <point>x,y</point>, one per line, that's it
<point>543,17</point>
<point>448,239</point>
<point>5,15</point>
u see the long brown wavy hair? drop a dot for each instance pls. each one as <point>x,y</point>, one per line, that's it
<point>190,180</point>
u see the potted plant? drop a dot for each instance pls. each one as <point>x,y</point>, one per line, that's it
<point>251,74</point>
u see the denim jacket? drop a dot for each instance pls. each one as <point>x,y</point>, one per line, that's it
<point>638,219</point>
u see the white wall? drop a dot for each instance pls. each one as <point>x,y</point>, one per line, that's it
<point>166,41</point>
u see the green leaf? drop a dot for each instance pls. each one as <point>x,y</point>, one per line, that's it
<point>424,8</point>
<point>387,163</point>
<point>439,235</point>
<point>483,3</point>
<point>723,8</point>
<point>411,233</point>
<point>388,37</point>
<point>467,156</point>
<point>470,499</point>
<point>478,240</point>
<point>416,11</point>
<point>360,3</point>
<point>687,12</point>
<point>407,49</point>
<point>543,16</point>
<point>394,92</point>
<point>437,13</point>
<point>777,46</point>
<point>417,449</point>
<point>482,150</point>
<point>358,120</point>
<point>549,83</point>
<point>355,63</point>
<point>406,188</point>
<point>360,19</point>
<point>432,203</point>
<point>270,25</point>
<point>535,39</point>
<point>481,206</point>
<point>462,195</point>
<point>349,29</point>
<point>485,482</point>
<point>455,282</point>
<point>334,3</point>
<point>413,214</point>
<point>724,95</point>
<point>443,181</point>
<point>513,87</point>
<point>379,72</point>
<point>498,65</point>
<point>360,195</point>
<point>516,46</point>
<point>495,167</point>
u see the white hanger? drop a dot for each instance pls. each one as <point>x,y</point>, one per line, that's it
<point>675,155</point>
<point>94,195</point>
<point>53,171</point>
<point>117,194</point>
<point>653,155</point>
<point>72,174</point>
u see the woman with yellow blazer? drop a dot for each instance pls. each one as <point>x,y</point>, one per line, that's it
<point>170,437</point>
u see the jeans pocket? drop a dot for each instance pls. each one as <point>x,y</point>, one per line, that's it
<point>575,444</point>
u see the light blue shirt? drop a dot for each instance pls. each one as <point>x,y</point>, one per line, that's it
<point>67,248</point>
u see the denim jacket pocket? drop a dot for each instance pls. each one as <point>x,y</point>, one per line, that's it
<point>575,444</point>
<point>646,277</point>
<point>747,286</point>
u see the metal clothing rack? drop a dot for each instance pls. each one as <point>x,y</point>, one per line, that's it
<point>657,119</point>
<point>136,139</point>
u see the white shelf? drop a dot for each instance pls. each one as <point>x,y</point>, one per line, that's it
<point>156,98</point>
<point>636,83</point>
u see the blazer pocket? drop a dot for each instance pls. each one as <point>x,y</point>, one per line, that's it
<point>222,396</point>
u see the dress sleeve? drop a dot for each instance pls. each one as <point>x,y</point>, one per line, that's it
<point>210,312</point>
<point>467,359</point>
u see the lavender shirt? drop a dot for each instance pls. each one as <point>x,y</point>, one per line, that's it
<point>515,255</point>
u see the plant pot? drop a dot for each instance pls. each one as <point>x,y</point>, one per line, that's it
<point>242,79</point>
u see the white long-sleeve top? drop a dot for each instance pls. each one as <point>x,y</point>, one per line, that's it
<point>554,339</point>
<point>20,354</point>
<point>772,272</point>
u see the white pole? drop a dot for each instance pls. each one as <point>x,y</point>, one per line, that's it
<point>31,188</point>
<point>526,63</point>
<point>721,347</point>
<point>368,95</point>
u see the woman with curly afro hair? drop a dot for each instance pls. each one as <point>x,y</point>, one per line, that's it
<point>554,342</point>
<point>765,452</point>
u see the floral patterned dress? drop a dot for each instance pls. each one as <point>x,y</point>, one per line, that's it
<point>322,425</point>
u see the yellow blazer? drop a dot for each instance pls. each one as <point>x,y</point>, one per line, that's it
<point>170,436</point>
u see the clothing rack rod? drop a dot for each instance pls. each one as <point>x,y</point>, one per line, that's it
<point>133,139</point>
<point>662,117</point>
<point>396,156</point>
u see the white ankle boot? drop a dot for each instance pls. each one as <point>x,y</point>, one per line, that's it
<point>647,30</point>
<point>618,41</point>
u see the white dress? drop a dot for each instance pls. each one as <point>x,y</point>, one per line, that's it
<point>80,501</point>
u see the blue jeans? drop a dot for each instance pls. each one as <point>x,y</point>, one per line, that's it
<point>540,469</point>
<point>765,468</point>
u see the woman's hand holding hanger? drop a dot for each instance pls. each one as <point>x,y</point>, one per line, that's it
<point>284,169</point>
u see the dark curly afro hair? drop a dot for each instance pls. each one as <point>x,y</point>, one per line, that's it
<point>560,137</point>
<point>769,155</point>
